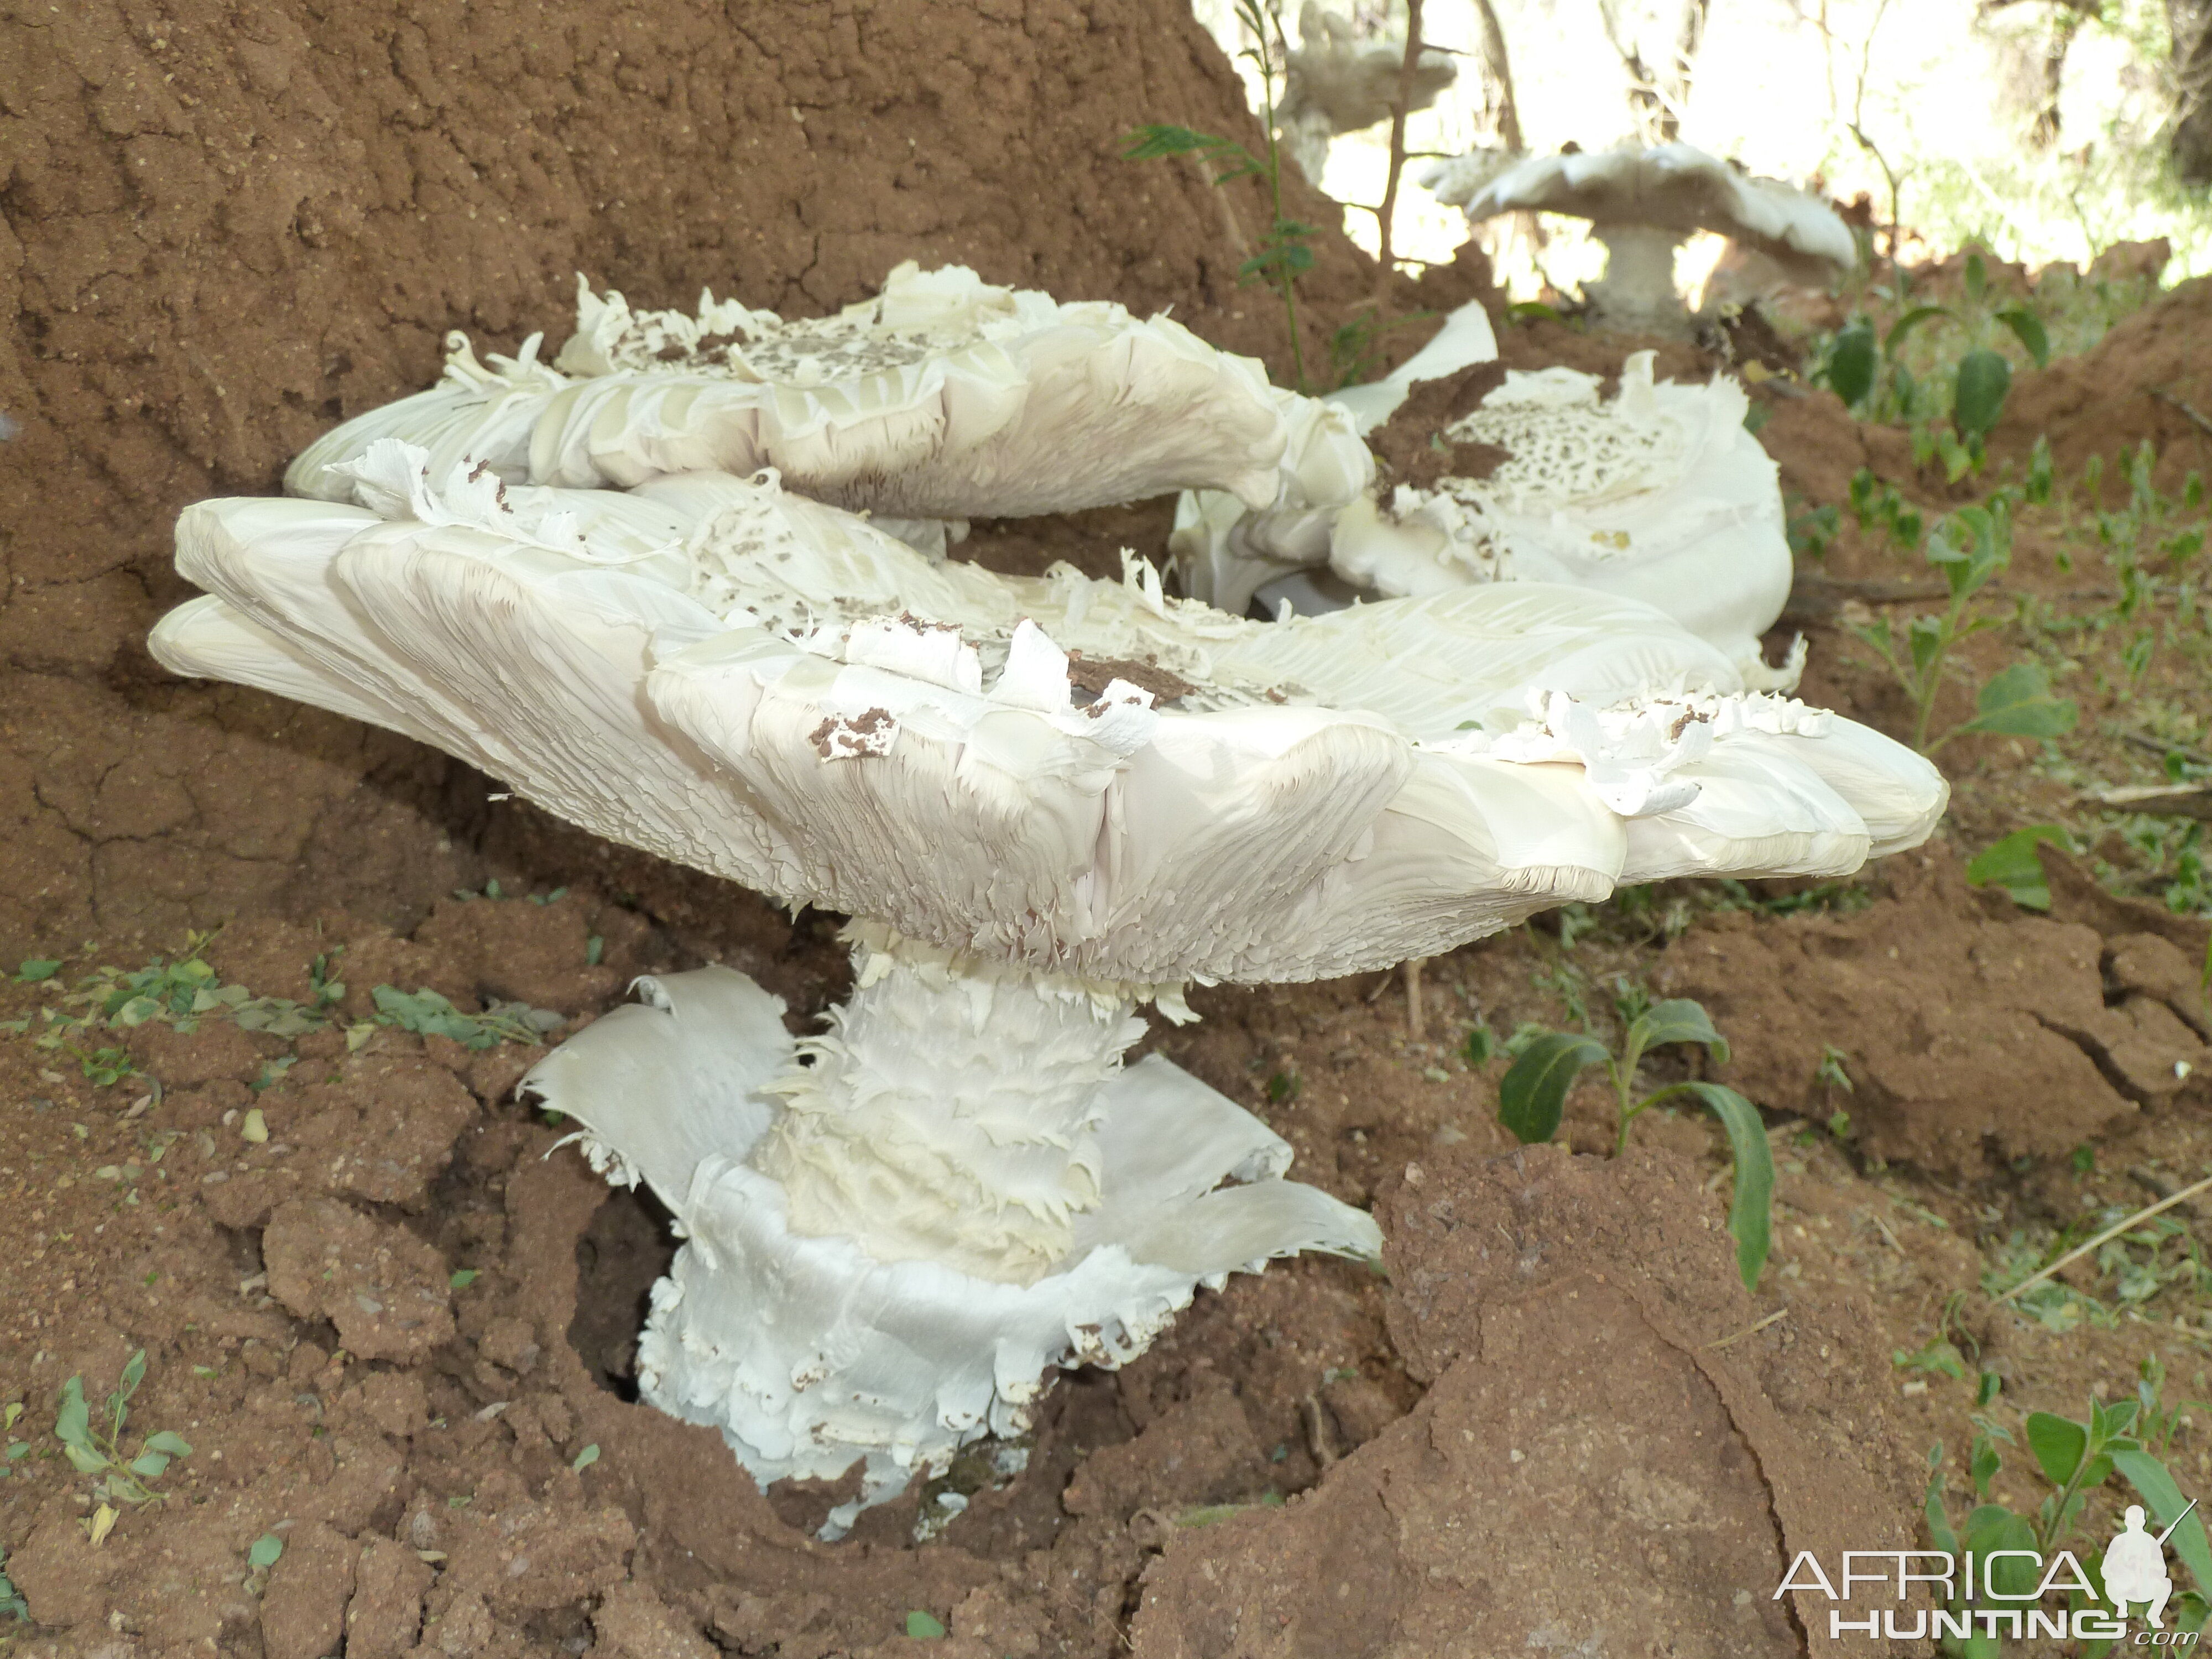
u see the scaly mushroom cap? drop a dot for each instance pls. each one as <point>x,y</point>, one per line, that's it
<point>1659,495</point>
<point>780,694</point>
<point>943,397</point>
<point>1672,187</point>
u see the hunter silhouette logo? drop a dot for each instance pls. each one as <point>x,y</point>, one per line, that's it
<point>2135,1567</point>
<point>1985,1592</point>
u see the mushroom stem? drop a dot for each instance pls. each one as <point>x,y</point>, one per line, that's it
<point>949,1113</point>
<point>1638,290</point>
<point>1416,1024</point>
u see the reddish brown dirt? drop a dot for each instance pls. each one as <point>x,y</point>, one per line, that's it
<point>226,227</point>
<point>2130,386</point>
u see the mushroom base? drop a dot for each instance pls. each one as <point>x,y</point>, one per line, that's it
<point>810,1353</point>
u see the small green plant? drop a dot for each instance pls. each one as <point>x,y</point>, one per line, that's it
<point>427,1013</point>
<point>1533,1096</point>
<point>1967,550</point>
<point>2076,1459</point>
<point>923,1626</point>
<point>95,1446</point>
<point>1938,1357</point>
<point>11,1599</point>
<point>1868,373</point>
<point>1875,504</point>
<point>1286,252</point>
<point>2011,863</point>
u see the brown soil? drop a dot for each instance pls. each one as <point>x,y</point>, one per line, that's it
<point>399,1327</point>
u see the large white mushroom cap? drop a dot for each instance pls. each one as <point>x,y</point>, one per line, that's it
<point>768,689</point>
<point>1674,186</point>
<point>1658,494</point>
<point>943,397</point>
<point>1642,203</point>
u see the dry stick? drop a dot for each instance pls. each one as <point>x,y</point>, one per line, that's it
<point>1748,1330</point>
<point>1416,1025</point>
<point>2198,421</point>
<point>1408,67</point>
<point>2107,1236</point>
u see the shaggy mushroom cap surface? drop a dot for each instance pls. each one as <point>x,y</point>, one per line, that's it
<point>1078,776</point>
<point>943,397</point>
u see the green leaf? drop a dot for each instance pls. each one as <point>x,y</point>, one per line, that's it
<point>1852,364</point>
<point>35,969</point>
<point>83,1459</point>
<point>2148,1477</point>
<point>2058,1443</point>
<point>1149,143</point>
<point>922,1628</point>
<point>2028,328</point>
<point>585,1458</point>
<point>2012,865</point>
<point>1533,1092</point>
<point>170,1441</point>
<point>1978,397</point>
<point>2016,702</point>
<point>463,1280</point>
<point>73,1420</point>
<point>1676,1020</point>
<point>264,1551</point>
<point>1532,311</point>
<point>1911,319</point>
<point>1992,1527</point>
<point>149,1466</point>
<point>134,1373</point>
<point>1750,1213</point>
<point>1939,1519</point>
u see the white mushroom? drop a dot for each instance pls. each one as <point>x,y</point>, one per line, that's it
<point>1644,203</point>
<point>1332,84</point>
<point>896,1229</point>
<point>1225,552</point>
<point>943,397</point>
<point>1659,494</point>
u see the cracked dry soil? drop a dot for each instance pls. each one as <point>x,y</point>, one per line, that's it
<point>399,1330</point>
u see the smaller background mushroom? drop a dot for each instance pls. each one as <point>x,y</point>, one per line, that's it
<point>1643,204</point>
<point>1334,84</point>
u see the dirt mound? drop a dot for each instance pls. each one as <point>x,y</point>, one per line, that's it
<point>226,229</point>
<point>1602,1391</point>
<point>1971,1033</point>
<point>2131,386</point>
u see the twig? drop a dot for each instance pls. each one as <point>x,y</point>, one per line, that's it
<point>2198,421</point>
<point>1408,67</point>
<point>1748,1330</point>
<point>2106,1236</point>
<point>1416,1025</point>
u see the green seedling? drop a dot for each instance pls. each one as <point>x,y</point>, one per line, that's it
<point>2011,863</point>
<point>427,1013</point>
<point>1878,505</point>
<point>1533,1096</point>
<point>1286,252</point>
<point>1967,550</point>
<point>264,1551</point>
<point>2076,1459</point>
<point>1938,1357</point>
<point>1868,373</point>
<point>95,1446</point>
<point>923,1626</point>
<point>11,1599</point>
